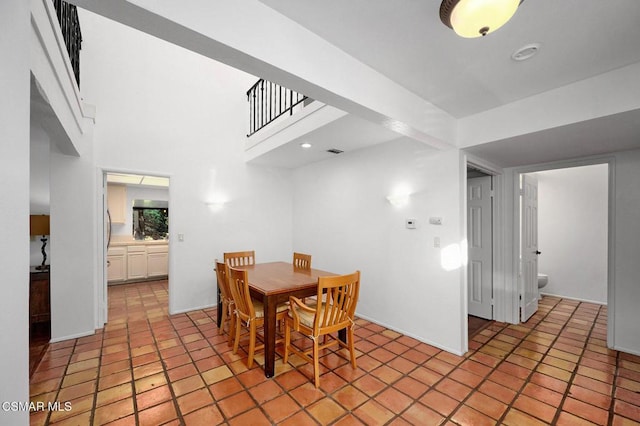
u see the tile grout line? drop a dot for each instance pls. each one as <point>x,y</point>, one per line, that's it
<point>133,379</point>
<point>503,360</point>
<point>165,371</point>
<point>566,393</point>
<point>206,385</point>
<point>484,379</point>
<point>574,332</point>
<point>614,388</point>
<point>66,368</point>
<point>97,385</point>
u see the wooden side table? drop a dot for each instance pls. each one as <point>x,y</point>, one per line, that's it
<point>39,298</point>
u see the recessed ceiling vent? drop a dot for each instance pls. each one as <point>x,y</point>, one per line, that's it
<point>526,52</point>
<point>335,151</point>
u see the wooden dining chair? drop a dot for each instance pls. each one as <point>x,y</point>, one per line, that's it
<point>322,319</point>
<point>302,261</point>
<point>240,258</point>
<point>249,312</point>
<point>228,306</point>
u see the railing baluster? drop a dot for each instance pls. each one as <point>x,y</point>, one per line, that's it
<point>70,27</point>
<point>268,101</point>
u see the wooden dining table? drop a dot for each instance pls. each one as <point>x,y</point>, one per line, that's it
<point>273,283</point>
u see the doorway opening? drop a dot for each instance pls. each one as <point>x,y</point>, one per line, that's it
<point>136,231</point>
<point>564,239</point>
<point>480,250</point>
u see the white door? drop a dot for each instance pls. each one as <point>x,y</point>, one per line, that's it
<point>480,266</point>
<point>529,247</point>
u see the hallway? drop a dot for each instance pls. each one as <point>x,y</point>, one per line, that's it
<point>149,369</point>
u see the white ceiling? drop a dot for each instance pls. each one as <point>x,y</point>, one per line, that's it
<point>348,133</point>
<point>406,41</point>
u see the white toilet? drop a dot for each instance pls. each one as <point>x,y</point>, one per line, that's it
<point>543,280</point>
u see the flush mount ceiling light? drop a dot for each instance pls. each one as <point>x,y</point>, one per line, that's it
<point>475,18</point>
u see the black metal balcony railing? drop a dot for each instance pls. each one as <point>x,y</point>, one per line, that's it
<point>268,101</point>
<point>70,25</point>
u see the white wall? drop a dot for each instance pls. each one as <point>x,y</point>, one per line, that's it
<point>572,231</point>
<point>165,111</point>
<point>39,188</point>
<point>342,218</point>
<point>137,193</point>
<point>626,269</point>
<point>74,249</point>
<point>14,207</point>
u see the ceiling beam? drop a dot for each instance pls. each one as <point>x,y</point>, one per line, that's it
<point>248,35</point>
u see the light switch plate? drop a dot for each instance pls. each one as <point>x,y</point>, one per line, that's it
<point>411,223</point>
<point>435,220</point>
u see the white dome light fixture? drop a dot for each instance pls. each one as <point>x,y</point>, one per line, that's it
<point>475,18</point>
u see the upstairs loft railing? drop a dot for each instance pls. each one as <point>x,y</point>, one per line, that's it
<point>268,101</point>
<point>70,25</point>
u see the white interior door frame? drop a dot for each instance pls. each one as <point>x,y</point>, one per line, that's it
<point>500,303</point>
<point>529,251</point>
<point>480,246</point>
<point>102,301</point>
<point>102,310</point>
<point>511,228</point>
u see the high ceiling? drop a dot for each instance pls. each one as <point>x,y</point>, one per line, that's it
<point>406,41</point>
<point>393,63</point>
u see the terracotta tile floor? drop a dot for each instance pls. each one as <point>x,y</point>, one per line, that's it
<point>146,368</point>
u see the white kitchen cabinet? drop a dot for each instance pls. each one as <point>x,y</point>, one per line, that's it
<point>117,202</point>
<point>116,264</point>
<point>136,262</point>
<point>157,260</point>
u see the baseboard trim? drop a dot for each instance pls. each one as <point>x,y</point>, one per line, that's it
<point>72,336</point>
<point>182,311</point>
<point>573,298</point>
<point>406,333</point>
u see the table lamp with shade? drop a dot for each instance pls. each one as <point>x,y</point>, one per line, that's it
<point>39,225</point>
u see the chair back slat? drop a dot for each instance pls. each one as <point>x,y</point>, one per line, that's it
<point>302,261</point>
<point>239,285</point>
<point>223,283</point>
<point>240,258</point>
<point>341,297</point>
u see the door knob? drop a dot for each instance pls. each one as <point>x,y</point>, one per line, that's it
<point>537,252</point>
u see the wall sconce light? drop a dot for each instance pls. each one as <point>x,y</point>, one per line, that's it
<point>398,200</point>
<point>215,206</point>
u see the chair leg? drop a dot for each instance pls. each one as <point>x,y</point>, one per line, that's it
<point>237,338</point>
<point>224,317</point>
<point>252,343</point>
<point>287,340</point>
<point>351,347</point>
<point>316,363</point>
<point>232,327</point>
